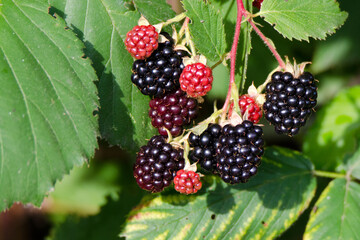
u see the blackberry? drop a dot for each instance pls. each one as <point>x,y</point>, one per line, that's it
<point>239,152</point>
<point>141,41</point>
<point>187,182</point>
<point>205,146</point>
<point>257,3</point>
<point>249,105</point>
<point>159,74</point>
<point>196,79</point>
<point>172,111</point>
<point>289,101</point>
<point>156,164</point>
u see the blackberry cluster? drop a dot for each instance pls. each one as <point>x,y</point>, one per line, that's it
<point>159,74</point>
<point>172,112</point>
<point>205,147</point>
<point>156,164</point>
<point>289,101</point>
<point>239,153</point>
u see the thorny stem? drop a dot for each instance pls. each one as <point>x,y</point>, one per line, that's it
<point>240,14</point>
<point>267,43</point>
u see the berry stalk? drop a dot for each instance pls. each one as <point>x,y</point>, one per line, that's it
<point>175,19</point>
<point>240,13</point>
<point>319,173</point>
<point>268,44</point>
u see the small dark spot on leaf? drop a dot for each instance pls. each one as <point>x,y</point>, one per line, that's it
<point>264,223</point>
<point>186,218</point>
<point>213,216</point>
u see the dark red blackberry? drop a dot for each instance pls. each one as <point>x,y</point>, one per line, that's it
<point>205,147</point>
<point>172,111</point>
<point>156,164</point>
<point>257,3</point>
<point>289,101</point>
<point>239,152</point>
<point>159,74</point>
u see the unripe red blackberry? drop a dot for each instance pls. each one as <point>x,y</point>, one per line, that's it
<point>172,112</point>
<point>239,152</point>
<point>142,41</point>
<point>187,182</point>
<point>289,101</point>
<point>156,164</point>
<point>196,79</point>
<point>249,105</point>
<point>159,74</point>
<point>205,146</point>
<point>257,3</point>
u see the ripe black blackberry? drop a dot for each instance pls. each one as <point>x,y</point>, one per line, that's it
<point>156,164</point>
<point>159,74</point>
<point>239,152</point>
<point>205,147</point>
<point>172,111</point>
<point>289,101</point>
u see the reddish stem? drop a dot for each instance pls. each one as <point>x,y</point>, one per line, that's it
<point>240,13</point>
<point>267,43</point>
<point>185,24</point>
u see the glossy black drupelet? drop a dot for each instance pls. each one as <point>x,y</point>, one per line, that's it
<point>159,74</point>
<point>205,147</point>
<point>239,152</point>
<point>289,101</point>
<point>156,164</point>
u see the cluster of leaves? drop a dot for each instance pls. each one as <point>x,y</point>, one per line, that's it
<point>83,75</point>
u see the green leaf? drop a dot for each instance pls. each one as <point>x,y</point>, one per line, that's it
<point>260,209</point>
<point>301,19</point>
<point>106,224</point>
<point>335,130</point>
<point>154,11</point>
<point>336,213</point>
<point>102,25</point>
<point>85,189</point>
<point>206,28</point>
<point>47,102</point>
<point>352,166</point>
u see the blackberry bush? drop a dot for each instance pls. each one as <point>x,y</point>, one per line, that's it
<point>156,164</point>
<point>159,74</point>
<point>172,112</point>
<point>59,105</point>
<point>289,101</point>
<point>205,147</point>
<point>239,152</point>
